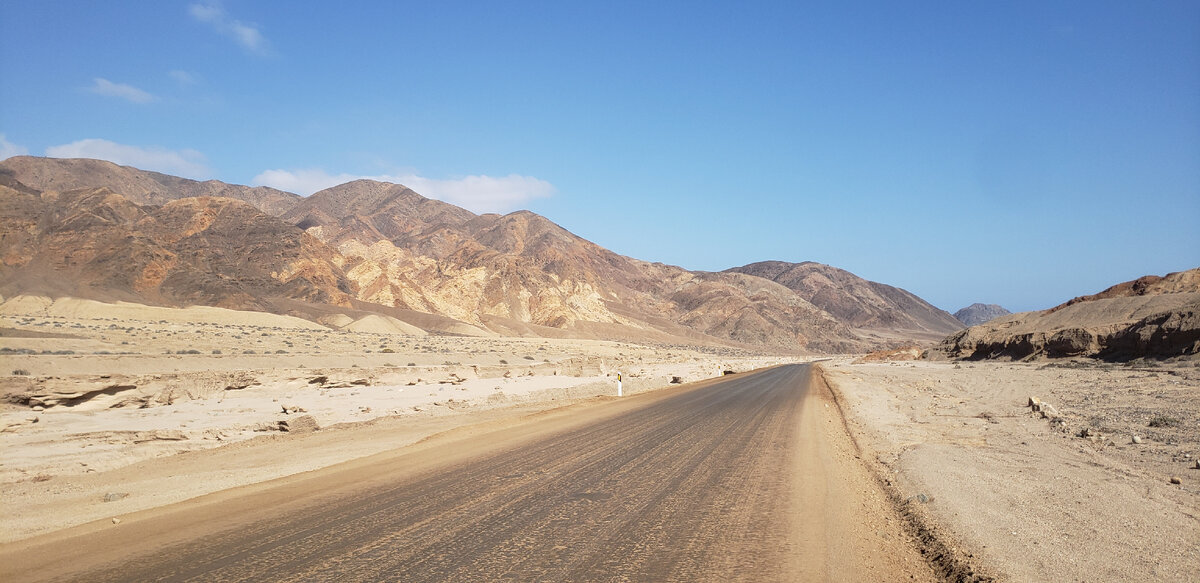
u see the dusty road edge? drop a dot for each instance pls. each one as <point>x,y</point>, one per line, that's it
<point>941,550</point>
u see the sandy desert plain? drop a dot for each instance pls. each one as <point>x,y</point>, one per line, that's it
<point>110,409</point>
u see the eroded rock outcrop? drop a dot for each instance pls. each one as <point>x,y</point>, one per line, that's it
<point>1154,317</point>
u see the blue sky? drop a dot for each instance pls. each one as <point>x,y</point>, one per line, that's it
<point>1012,153</point>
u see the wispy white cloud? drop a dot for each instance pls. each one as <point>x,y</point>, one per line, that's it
<point>481,194</point>
<point>246,35</point>
<point>183,77</point>
<point>186,163</point>
<point>9,149</point>
<point>305,181</point>
<point>107,88</point>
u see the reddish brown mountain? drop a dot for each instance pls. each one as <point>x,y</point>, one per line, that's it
<point>859,303</point>
<point>95,243</point>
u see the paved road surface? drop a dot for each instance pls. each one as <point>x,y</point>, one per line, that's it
<point>724,482</point>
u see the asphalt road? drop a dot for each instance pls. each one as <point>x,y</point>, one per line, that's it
<point>702,485</point>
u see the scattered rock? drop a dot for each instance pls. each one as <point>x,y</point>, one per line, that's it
<point>676,380</point>
<point>1034,402</point>
<point>289,409</point>
<point>116,520</point>
<point>318,380</point>
<point>922,498</point>
<point>1135,439</point>
<point>1088,432</point>
<point>1048,411</point>
<point>1176,480</point>
<point>114,496</point>
<point>39,408</point>
<point>302,424</point>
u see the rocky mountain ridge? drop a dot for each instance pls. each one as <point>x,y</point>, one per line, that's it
<point>139,186</point>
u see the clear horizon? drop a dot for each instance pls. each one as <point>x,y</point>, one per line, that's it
<point>1018,155</point>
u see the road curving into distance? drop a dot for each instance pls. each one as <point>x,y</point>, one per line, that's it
<point>746,478</point>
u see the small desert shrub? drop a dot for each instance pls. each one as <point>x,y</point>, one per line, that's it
<point>502,361</point>
<point>411,364</point>
<point>189,351</point>
<point>216,352</point>
<point>388,351</point>
<point>1162,421</point>
<point>20,372</point>
<point>528,357</point>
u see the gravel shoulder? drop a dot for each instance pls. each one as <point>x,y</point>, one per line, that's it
<point>1021,497</point>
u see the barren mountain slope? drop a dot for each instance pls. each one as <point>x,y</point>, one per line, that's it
<point>94,243</point>
<point>855,301</point>
<point>491,270</point>
<point>1158,318</point>
<point>1147,285</point>
<point>139,186</point>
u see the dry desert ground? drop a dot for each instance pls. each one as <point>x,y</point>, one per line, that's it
<point>110,409</point>
<point>101,400</point>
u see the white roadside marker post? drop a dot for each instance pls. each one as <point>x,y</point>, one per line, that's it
<point>618,384</point>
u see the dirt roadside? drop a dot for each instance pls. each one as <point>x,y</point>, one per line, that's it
<point>1003,492</point>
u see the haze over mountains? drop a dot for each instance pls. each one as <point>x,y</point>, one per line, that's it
<point>93,229</point>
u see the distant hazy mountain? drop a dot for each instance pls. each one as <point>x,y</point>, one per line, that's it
<point>94,229</point>
<point>980,313</point>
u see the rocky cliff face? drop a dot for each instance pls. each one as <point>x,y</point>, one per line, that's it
<point>1158,320</point>
<point>854,301</point>
<point>976,314</point>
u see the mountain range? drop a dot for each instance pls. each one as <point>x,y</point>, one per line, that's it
<point>93,229</point>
